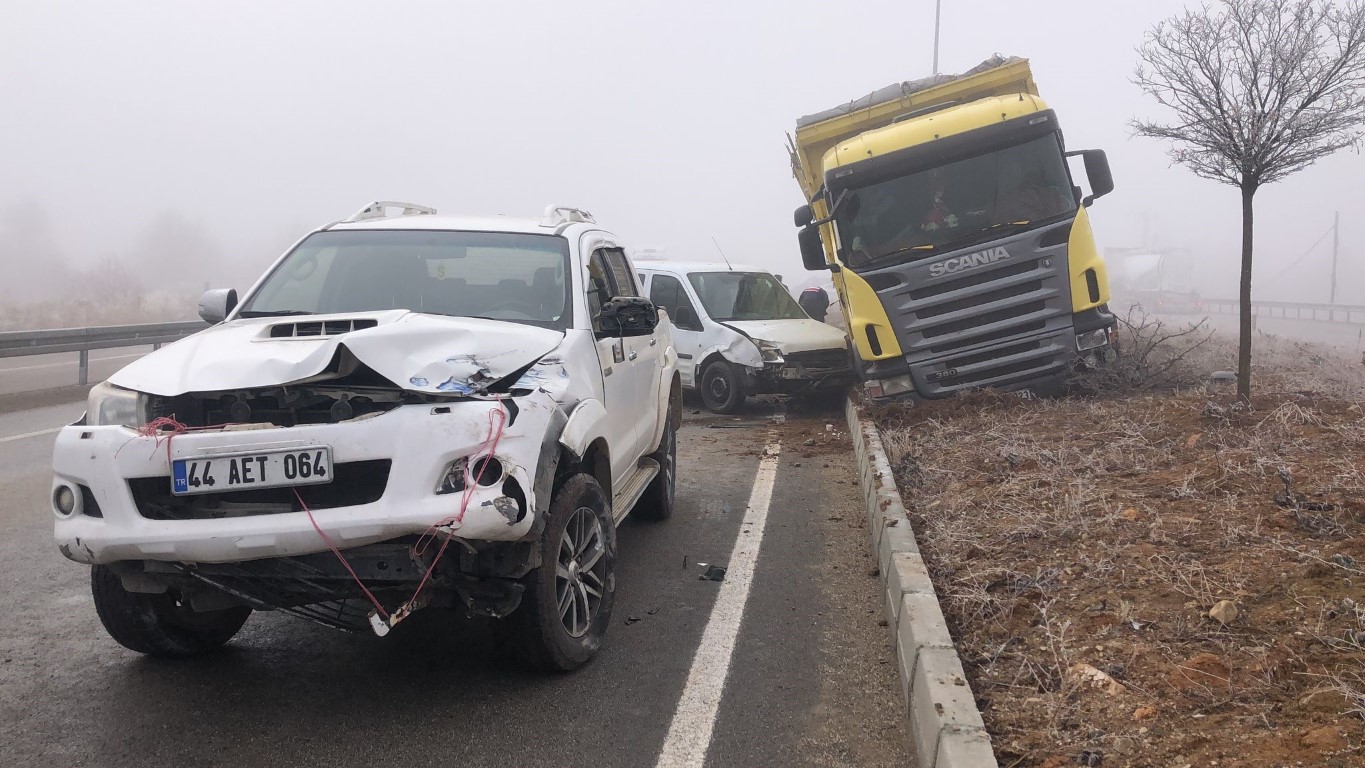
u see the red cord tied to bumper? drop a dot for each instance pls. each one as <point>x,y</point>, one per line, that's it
<point>381,621</point>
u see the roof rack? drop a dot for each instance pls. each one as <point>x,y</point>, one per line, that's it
<point>378,210</point>
<point>564,214</point>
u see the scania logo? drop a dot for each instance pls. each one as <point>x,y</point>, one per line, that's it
<point>969,261</point>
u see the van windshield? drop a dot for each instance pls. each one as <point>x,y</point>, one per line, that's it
<point>957,204</point>
<point>494,275</point>
<point>744,296</point>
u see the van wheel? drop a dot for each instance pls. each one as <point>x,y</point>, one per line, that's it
<point>160,625</point>
<point>657,501</point>
<point>567,603</point>
<point>722,388</point>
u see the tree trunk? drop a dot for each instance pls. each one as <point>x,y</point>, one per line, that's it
<point>1244,342</point>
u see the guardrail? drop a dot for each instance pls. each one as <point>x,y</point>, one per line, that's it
<point>1292,310</point>
<point>82,340</point>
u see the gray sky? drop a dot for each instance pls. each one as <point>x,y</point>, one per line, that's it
<point>254,121</point>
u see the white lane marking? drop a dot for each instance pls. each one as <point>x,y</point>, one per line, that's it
<point>689,736</point>
<point>69,363</point>
<point>27,435</point>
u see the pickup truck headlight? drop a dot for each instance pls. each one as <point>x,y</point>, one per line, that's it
<point>109,405</point>
<point>770,351</point>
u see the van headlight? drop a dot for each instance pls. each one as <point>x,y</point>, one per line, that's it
<point>109,405</point>
<point>770,351</point>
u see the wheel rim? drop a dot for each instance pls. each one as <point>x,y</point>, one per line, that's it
<point>581,572</point>
<point>718,387</point>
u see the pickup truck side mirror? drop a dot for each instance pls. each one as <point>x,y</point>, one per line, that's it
<point>628,316</point>
<point>215,305</point>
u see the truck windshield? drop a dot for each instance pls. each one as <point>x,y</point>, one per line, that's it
<point>744,296</point>
<point>956,204</point>
<point>493,275</point>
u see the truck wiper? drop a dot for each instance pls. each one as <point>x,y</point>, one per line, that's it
<point>986,234</point>
<point>273,312</point>
<point>926,248</point>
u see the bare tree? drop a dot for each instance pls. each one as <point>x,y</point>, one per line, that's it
<point>1260,89</point>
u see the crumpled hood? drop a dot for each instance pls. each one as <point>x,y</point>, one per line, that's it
<point>419,352</point>
<point>793,336</point>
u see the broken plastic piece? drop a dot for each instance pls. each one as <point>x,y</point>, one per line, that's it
<point>713,573</point>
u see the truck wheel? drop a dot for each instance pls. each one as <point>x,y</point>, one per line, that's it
<point>657,501</point>
<point>159,625</point>
<point>722,388</point>
<point>566,606</point>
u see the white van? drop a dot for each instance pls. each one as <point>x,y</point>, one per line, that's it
<point>739,332</point>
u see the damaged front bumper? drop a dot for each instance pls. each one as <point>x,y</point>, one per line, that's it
<point>388,469</point>
<point>801,373</point>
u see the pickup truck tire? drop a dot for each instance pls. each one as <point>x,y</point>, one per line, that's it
<point>657,501</point>
<point>159,625</point>
<point>560,623</point>
<point>722,387</point>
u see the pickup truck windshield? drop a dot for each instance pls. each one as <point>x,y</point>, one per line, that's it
<point>744,296</point>
<point>957,204</point>
<point>494,275</point>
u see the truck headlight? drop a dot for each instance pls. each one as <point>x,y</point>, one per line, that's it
<point>109,405</point>
<point>1092,339</point>
<point>770,351</point>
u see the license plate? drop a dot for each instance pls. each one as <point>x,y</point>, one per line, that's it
<point>267,469</point>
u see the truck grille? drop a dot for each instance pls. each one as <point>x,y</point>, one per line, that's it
<point>353,483</point>
<point>997,325</point>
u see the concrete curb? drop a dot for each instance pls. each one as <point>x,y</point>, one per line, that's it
<point>945,726</point>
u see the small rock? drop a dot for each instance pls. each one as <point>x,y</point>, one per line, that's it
<point>809,441</point>
<point>1223,612</point>
<point>1144,713</point>
<point>1125,745</point>
<point>631,620</point>
<point>1129,514</point>
<point>874,572</point>
<point>1325,739</point>
<point>1223,376</point>
<point>1345,561</point>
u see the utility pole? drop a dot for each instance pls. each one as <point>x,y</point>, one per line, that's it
<point>1336,226</point>
<point>938,8</point>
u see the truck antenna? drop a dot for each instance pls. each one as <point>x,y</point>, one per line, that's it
<point>722,254</point>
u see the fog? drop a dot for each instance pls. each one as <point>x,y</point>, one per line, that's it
<point>193,142</point>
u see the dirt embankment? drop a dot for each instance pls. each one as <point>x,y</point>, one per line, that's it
<point>1156,579</point>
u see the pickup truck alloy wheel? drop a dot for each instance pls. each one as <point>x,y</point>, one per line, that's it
<point>566,605</point>
<point>159,625</point>
<point>580,578</point>
<point>722,389</point>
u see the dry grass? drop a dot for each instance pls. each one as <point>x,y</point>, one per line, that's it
<point>1096,533</point>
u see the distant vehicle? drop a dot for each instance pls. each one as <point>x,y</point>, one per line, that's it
<point>739,332</point>
<point>1158,280</point>
<point>405,411</point>
<point>959,244</point>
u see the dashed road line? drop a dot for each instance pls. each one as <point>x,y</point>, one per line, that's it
<point>27,435</point>
<point>689,735</point>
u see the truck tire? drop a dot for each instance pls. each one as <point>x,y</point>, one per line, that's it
<point>159,625</point>
<point>657,501</point>
<point>560,623</point>
<point>722,387</point>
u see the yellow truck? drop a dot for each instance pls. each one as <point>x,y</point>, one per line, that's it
<point>959,243</point>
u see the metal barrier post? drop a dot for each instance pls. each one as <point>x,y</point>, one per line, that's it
<point>84,377</point>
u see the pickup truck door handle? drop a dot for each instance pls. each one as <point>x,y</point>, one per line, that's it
<point>632,355</point>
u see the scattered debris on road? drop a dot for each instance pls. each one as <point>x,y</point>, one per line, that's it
<point>712,573</point>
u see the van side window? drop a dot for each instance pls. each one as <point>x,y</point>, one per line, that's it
<point>667,293</point>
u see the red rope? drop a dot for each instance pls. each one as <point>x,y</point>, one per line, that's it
<point>344,563</point>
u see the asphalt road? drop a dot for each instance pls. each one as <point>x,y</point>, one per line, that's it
<point>811,680</point>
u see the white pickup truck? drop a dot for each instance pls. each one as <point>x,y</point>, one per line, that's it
<point>405,411</point>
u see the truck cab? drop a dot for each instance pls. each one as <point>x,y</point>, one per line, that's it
<point>959,243</point>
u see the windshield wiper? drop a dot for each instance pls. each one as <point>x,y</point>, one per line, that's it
<point>273,312</point>
<point>927,247</point>
<point>986,234</point>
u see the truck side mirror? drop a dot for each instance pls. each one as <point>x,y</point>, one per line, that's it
<point>1098,173</point>
<point>812,252</point>
<point>215,305</point>
<point>803,216</point>
<point>628,316</point>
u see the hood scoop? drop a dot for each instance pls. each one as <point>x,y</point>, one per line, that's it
<point>315,329</point>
